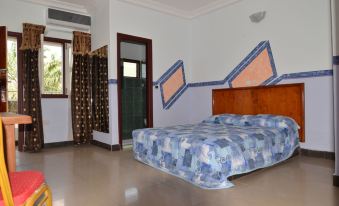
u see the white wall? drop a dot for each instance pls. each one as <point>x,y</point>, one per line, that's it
<point>300,36</point>
<point>171,41</point>
<point>299,32</point>
<point>170,35</point>
<point>56,121</point>
<point>212,45</point>
<point>55,112</point>
<point>100,23</point>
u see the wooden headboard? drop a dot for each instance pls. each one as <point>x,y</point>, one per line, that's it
<point>284,99</point>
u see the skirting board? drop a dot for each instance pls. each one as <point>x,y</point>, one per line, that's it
<point>58,144</point>
<point>318,154</point>
<point>94,142</point>
<point>106,146</point>
<point>336,180</point>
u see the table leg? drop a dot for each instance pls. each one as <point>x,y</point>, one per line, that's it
<point>10,147</point>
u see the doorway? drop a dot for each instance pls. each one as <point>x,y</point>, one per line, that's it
<point>135,85</point>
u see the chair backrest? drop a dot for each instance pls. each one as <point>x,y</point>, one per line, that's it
<point>4,180</point>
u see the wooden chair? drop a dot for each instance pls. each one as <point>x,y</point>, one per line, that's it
<point>24,188</point>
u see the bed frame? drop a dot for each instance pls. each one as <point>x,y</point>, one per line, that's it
<point>284,99</point>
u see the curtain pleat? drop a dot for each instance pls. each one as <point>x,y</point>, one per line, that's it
<point>34,135</point>
<point>31,36</point>
<point>89,95</point>
<point>81,89</point>
<point>100,90</point>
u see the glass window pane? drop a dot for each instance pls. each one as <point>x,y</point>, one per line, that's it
<point>12,74</point>
<point>143,71</point>
<point>130,69</point>
<point>52,76</point>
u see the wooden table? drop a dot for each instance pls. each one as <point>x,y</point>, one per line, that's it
<point>9,121</point>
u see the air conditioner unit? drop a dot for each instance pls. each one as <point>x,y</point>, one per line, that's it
<point>68,20</point>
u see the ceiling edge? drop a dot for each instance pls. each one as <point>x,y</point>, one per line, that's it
<point>61,5</point>
<point>213,6</point>
<point>179,12</point>
<point>160,7</point>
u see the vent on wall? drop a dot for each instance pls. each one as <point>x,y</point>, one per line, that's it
<point>68,19</point>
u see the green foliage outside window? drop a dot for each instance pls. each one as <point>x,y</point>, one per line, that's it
<point>12,86</point>
<point>12,71</point>
<point>52,74</point>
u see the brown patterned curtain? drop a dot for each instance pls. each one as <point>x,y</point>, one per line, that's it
<point>81,88</point>
<point>31,43</point>
<point>100,90</point>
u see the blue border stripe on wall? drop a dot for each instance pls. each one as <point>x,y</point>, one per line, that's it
<point>112,81</point>
<point>275,79</point>
<point>169,72</point>
<point>249,59</point>
<point>176,97</point>
<point>301,75</point>
<point>179,64</point>
<point>204,84</point>
<point>335,60</point>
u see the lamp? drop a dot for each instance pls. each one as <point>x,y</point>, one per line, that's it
<point>258,17</point>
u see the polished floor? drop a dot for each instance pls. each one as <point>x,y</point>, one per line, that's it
<point>88,175</point>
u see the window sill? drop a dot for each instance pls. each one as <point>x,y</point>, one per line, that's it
<point>55,96</point>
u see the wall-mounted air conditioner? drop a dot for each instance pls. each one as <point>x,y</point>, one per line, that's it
<point>69,20</point>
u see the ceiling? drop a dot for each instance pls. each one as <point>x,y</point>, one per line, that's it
<point>182,8</point>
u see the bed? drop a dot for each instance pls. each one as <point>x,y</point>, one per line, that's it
<point>250,128</point>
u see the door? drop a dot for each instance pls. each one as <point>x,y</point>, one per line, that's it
<point>135,95</point>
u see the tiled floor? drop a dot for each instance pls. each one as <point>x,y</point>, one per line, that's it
<point>89,175</point>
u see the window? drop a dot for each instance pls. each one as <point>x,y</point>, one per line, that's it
<point>52,73</point>
<point>143,70</point>
<point>13,79</point>
<point>12,73</point>
<point>55,58</point>
<point>131,68</point>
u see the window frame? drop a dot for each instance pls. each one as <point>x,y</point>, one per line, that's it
<point>134,62</point>
<point>18,37</point>
<point>143,63</point>
<point>63,42</point>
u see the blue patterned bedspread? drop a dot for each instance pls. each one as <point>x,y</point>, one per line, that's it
<point>206,154</point>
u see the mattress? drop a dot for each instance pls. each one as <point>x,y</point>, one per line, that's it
<point>207,153</point>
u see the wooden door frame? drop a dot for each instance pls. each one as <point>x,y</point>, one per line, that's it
<point>149,78</point>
